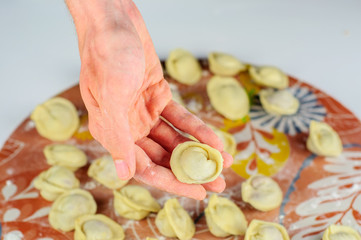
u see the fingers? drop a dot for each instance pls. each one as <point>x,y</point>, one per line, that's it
<point>117,139</point>
<point>177,115</point>
<point>217,185</point>
<point>124,158</point>
<point>169,138</point>
<point>227,159</point>
<point>166,135</point>
<point>155,152</point>
<point>163,179</point>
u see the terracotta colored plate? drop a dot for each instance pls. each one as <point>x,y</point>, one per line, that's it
<point>318,191</point>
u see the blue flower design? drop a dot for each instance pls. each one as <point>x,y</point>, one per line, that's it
<point>310,109</point>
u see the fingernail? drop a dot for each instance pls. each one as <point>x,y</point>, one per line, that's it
<point>122,169</point>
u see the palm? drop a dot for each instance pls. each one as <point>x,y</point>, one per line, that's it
<point>125,93</point>
<point>149,101</point>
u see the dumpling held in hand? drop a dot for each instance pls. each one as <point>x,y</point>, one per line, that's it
<point>194,162</point>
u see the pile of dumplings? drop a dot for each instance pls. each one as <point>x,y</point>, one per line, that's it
<point>74,209</point>
<point>230,99</point>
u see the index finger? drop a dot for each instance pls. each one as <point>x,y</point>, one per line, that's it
<point>185,121</point>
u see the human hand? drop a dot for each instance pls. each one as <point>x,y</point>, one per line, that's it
<point>124,91</point>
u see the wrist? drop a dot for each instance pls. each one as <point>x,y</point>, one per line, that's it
<point>97,16</point>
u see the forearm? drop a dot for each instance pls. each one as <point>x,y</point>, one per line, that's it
<point>98,15</point>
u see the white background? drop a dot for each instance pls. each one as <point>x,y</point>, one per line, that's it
<point>316,41</point>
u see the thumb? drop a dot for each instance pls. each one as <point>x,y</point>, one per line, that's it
<point>121,147</point>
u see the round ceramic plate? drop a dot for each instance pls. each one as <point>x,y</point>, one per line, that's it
<point>318,191</point>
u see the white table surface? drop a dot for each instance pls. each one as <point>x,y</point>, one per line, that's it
<point>316,41</point>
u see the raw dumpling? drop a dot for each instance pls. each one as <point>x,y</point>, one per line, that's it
<point>339,232</point>
<point>224,64</point>
<point>65,155</point>
<point>174,221</point>
<point>69,206</point>
<point>97,227</point>
<point>134,202</point>
<point>262,192</point>
<point>279,102</point>
<point>224,218</point>
<point>56,119</point>
<point>228,97</point>
<point>194,162</point>
<point>55,181</point>
<point>260,230</point>
<point>228,140</point>
<point>183,67</point>
<point>323,140</point>
<point>103,171</point>
<point>269,77</point>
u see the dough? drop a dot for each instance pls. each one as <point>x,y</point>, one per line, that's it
<point>103,171</point>
<point>174,221</point>
<point>323,140</point>
<point>262,192</point>
<point>56,119</point>
<point>194,162</point>
<point>228,140</point>
<point>269,76</point>
<point>183,67</point>
<point>97,227</point>
<point>278,102</point>
<point>224,218</point>
<point>260,230</point>
<point>65,155</point>
<point>339,232</point>
<point>55,181</point>
<point>134,202</point>
<point>228,97</point>
<point>224,64</point>
<point>69,206</point>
